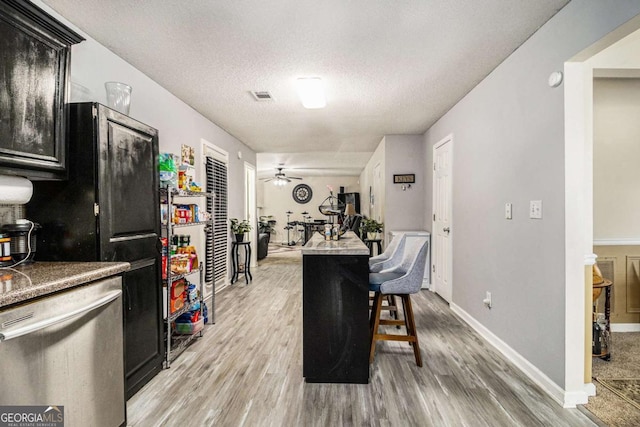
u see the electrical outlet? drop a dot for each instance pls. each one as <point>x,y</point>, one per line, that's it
<point>507,211</point>
<point>535,209</point>
<point>487,300</point>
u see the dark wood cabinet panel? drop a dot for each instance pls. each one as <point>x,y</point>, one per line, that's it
<point>108,210</point>
<point>34,71</point>
<point>335,318</point>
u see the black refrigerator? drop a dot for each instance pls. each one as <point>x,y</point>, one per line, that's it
<point>108,210</point>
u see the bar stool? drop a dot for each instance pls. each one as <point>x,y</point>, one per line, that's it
<point>402,281</point>
<point>389,259</point>
<point>370,243</point>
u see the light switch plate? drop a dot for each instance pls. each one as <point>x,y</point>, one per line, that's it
<point>507,211</point>
<point>535,209</point>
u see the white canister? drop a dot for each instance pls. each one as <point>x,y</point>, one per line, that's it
<point>15,190</point>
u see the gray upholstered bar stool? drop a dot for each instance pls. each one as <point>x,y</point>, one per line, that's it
<point>389,259</point>
<point>379,262</point>
<point>403,280</point>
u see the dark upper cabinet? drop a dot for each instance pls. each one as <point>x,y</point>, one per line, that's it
<point>34,71</point>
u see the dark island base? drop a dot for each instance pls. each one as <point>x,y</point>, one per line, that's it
<point>335,318</point>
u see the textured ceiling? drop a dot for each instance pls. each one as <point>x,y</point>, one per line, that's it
<point>389,66</point>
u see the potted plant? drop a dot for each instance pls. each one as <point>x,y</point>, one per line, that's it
<point>371,227</point>
<point>238,228</point>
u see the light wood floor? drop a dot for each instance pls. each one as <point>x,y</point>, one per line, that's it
<point>247,371</point>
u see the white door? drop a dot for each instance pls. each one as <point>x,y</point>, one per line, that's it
<point>441,231</point>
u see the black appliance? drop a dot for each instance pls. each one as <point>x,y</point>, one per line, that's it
<point>353,198</point>
<point>108,210</point>
<point>23,240</point>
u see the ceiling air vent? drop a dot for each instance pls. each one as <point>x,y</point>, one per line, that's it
<point>262,95</point>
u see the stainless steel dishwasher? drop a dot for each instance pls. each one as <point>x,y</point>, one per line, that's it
<point>67,350</point>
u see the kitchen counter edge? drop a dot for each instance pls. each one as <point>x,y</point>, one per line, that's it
<point>349,244</point>
<point>23,283</point>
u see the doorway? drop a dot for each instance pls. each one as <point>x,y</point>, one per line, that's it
<point>579,134</point>
<point>441,265</point>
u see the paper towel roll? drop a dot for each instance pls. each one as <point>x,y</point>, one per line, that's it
<point>15,190</point>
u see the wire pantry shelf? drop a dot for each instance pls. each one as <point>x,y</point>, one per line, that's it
<point>186,224</point>
<point>176,277</point>
<point>187,307</point>
<point>185,193</point>
<point>179,343</point>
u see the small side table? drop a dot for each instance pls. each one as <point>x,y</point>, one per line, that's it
<point>370,243</point>
<point>235,261</point>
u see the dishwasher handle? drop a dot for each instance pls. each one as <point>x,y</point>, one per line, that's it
<point>36,326</point>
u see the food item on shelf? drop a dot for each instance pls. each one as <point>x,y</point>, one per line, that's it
<point>165,249</point>
<point>176,304</point>
<point>178,294</point>
<point>192,293</point>
<point>184,214</point>
<point>182,263</point>
<point>167,169</point>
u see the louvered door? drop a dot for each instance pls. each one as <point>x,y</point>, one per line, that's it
<point>217,240</point>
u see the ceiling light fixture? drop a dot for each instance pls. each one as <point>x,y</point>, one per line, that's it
<point>311,92</point>
<point>280,182</point>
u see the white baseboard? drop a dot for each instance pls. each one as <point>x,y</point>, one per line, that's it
<point>562,397</point>
<point>625,327</point>
<point>590,389</point>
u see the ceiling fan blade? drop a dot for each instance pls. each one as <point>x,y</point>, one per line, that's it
<point>293,177</point>
<point>266,179</point>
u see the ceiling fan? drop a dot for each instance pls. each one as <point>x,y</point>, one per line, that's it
<point>280,178</point>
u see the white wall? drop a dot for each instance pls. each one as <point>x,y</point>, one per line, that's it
<point>399,210</point>
<point>93,64</point>
<point>276,201</point>
<point>366,181</point>
<point>404,210</point>
<point>509,147</point>
<point>616,158</point>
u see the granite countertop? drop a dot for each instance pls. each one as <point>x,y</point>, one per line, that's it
<point>22,283</point>
<point>349,244</point>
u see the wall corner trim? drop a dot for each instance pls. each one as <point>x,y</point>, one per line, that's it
<point>562,397</point>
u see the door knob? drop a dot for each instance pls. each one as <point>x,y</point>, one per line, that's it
<point>446,230</point>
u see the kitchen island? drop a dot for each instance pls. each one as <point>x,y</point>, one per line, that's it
<point>335,310</point>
